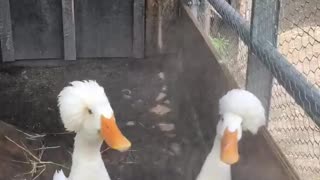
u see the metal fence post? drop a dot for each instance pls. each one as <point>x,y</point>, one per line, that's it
<point>264,24</point>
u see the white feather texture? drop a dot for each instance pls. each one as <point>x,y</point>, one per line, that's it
<point>246,105</point>
<point>59,175</point>
<point>81,105</point>
<point>241,110</point>
<point>74,101</point>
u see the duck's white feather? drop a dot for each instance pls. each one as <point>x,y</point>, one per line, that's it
<point>213,168</point>
<point>59,175</point>
<point>81,105</point>
<point>75,99</point>
<point>236,106</point>
<point>246,105</point>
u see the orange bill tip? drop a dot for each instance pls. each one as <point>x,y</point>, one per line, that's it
<point>229,147</point>
<point>112,135</point>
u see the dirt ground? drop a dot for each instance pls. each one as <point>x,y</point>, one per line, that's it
<point>142,93</point>
<point>139,92</point>
<point>157,104</point>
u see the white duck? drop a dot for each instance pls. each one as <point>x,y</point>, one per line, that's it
<point>85,109</point>
<point>239,110</point>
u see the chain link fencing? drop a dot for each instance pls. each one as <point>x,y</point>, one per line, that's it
<point>293,130</point>
<point>294,63</point>
<point>230,49</point>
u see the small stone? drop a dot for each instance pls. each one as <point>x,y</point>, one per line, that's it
<point>164,88</point>
<point>130,123</point>
<point>137,104</point>
<point>160,110</point>
<point>161,75</point>
<point>167,101</point>
<point>126,96</point>
<point>24,75</point>
<point>171,135</point>
<point>166,127</point>
<point>175,147</point>
<point>161,96</point>
<point>126,93</point>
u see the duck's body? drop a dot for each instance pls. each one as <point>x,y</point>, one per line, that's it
<point>85,109</point>
<point>86,161</point>
<point>59,175</point>
<point>240,110</point>
<point>213,167</point>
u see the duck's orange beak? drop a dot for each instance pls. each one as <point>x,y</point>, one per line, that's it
<point>112,134</point>
<point>229,147</point>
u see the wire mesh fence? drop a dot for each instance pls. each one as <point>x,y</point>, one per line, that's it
<point>232,52</point>
<point>295,64</point>
<point>293,130</point>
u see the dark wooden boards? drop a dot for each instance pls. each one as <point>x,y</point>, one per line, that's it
<point>104,28</point>
<point>6,43</point>
<point>37,29</point>
<point>68,29</point>
<point>69,32</point>
<point>138,28</point>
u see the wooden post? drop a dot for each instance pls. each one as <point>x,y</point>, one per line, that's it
<point>6,42</point>
<point>69,34</point>
<point>264,24</point>
<point>138,28</point>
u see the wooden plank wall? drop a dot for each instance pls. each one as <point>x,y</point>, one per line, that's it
<point>151,27</point>
<point>138,28</point>
<point>161,17</point>
<point>69,31</point>
<point>41,47</point>
<point>6,42</point>
<point>104,28</point>
<point>37,29</point>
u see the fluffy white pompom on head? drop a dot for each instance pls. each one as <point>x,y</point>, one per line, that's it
<point>77,101</point>
<point>246,105</point>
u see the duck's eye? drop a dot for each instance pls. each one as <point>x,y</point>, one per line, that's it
<point>89,111</point>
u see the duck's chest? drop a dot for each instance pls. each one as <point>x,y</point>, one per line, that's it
<point>89,170</point>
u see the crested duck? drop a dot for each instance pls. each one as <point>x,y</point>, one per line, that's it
<point>85,110</point>
<point>240,111</point>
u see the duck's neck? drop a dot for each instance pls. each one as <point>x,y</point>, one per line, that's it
<point>87,162</point>
<point>87,146</point>
<point>213,168</point>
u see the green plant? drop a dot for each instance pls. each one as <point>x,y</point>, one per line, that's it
<point>221,44</point>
